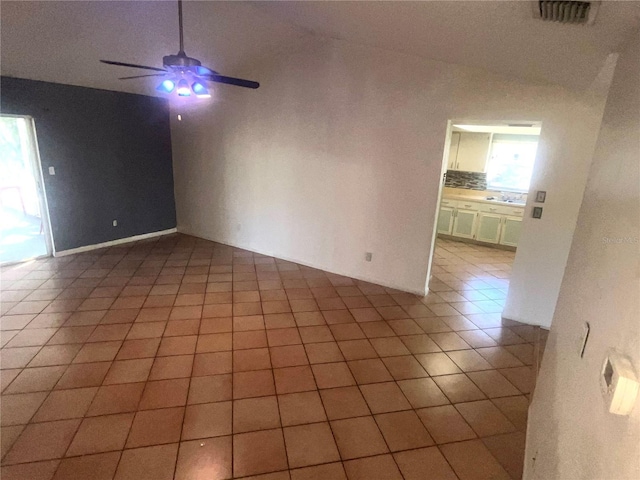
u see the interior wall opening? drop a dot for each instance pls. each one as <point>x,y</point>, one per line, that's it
<point>24,226</point>
<point>486,175</point>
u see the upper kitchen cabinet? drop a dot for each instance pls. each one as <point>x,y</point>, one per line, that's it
<point>453,150</point>
<point>469,151</point>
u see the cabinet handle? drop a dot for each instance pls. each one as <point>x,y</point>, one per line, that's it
<point>492,209</point>
<point>468,206</point>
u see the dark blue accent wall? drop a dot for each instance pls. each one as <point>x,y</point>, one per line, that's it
<point>112,157</point>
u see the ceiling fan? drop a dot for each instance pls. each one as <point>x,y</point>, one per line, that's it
<point>182,74</point>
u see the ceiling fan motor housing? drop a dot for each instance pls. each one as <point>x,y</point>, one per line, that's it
<point>180,60</point>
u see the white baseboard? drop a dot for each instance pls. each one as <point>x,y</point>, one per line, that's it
<point>112,243</point>
<point>307,264</point>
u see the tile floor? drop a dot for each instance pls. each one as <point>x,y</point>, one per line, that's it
<point>182,359</point>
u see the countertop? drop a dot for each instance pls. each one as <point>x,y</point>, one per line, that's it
<point>479,199</point>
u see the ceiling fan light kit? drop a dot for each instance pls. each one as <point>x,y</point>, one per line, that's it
<point>183,88</point>
<point>182,75</point>
<point>166,86</point>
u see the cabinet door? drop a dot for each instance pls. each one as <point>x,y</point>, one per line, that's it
<point>464,223</point>
<point>511,228</point>
<point>473,151</point>
<point>453,151</point>
<point>489,227</point>
<point>445,220</point>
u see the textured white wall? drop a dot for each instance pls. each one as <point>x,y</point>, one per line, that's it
<point>570,434</point>
<point>340,153</point>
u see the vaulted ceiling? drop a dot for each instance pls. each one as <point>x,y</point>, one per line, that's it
<point>500,36</point>
<point>62,41</point>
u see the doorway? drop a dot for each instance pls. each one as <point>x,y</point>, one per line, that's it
<point>487,170</point>
<point>24,225</point>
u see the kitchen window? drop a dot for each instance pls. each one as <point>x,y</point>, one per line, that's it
<point>511,162</point>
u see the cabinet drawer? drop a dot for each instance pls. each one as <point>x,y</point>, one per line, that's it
<point>448,203</point>
<point>502,209</point>
<point>516,212</point>
<point>468,205</point>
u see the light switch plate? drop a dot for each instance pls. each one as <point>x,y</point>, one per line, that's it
<point>52,171</point>
<point>537,212</point>
<point>541,196</point>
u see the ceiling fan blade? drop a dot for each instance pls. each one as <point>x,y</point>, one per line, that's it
<point>239,82</point>
<point>132,65</point>
<point>141,76</point>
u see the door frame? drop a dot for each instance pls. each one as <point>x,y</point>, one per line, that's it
<point>36,165</point>
<point>443,171</point>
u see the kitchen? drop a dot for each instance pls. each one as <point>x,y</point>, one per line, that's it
<point>488,172</point>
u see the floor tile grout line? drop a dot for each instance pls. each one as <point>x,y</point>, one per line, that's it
<point>368,339</point>
<point>257,397</point>
<point>186,406</point>
<point>89,407</point>
<point>390,452</point>
<point>503,367</point>
<point>189,335</point>
<point>134,414</point>
<point>322,402</point>
<point>233,465</point>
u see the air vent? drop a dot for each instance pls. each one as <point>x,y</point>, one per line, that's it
<point>566,11</point>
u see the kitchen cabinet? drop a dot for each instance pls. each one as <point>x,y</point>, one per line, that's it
<point>510,233</point>
<point>453,150</point>
<point>502,209</point>
<point>445,220</point>
<point>483,222</point>
<point>469,151</point>
<point>489,227</point>
<point>464,223</point>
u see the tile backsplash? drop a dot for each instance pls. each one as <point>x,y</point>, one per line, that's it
<point>468,180</point>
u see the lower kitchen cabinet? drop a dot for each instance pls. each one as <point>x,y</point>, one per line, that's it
<point>464,223</point>
<point>445,220</point>
<point>486,223</point>
<point>489,227</point>
<point>511,228</point>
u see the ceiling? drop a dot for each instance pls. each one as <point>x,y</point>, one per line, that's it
<point>62,41</point>
<point>500,36</point>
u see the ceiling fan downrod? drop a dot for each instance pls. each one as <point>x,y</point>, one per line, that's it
<point>181,52</point>
<point>181,59</point>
